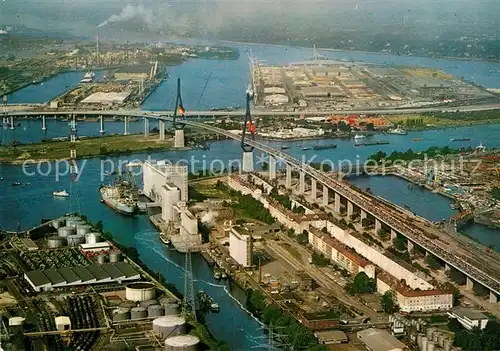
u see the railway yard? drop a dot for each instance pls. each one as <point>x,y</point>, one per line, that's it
<point>64,286</point>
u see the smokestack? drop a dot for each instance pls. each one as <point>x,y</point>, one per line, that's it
<point>97,44</point>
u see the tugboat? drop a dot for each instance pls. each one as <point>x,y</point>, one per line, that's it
<point>62,193</point>
<point>206,302</point>
<point>122,196</point>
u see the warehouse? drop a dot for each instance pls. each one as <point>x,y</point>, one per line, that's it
<point>93,274</point>
<point>106,98</point>
<point>380,340</point>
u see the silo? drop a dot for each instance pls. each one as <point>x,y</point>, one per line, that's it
<point>92,238</point>
<point>155,311</point>
<point>182,343</point>
<point>101,259</point>
<point>75,240</point>
<point>435,336</point>
<point>120,315</point>
<point>58,223</point>
<point>429,332</point>
<point>447,345</point>
<point>172,309</point>
<point>114,257</point>
<point>430,346</point>
<point>72,219</point>
<point>83,229</point>
<point>55,242</point>
<point>423,347</point>
<point>65,231</point>
<point>168,326</point>
<point>148,303</point>
<point>138,313</point>
<point>140,291</point>
<point>440,340</point>
<point>419,340</point>
<point>75,223</point>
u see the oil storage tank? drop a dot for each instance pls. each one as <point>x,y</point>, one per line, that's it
<point>168,326</point>
<point>114,257</point>
<point>65,231</point>
<point>120,314</point>
<point>172,309</point>
<point>138,313</point>
<point>92,238</point>
<point>58,223</point>
<point>101,259</point>
<point>182,343</point>
<point>75,240</point>
<point>55,242</point>
<point>155,311</point>
<point>72,219</point>
<point>141,291</point>
<point>148,303</point>
<point>83,229</point>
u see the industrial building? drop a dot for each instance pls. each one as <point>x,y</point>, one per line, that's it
<point>329,337</point>
<point>380,340</point>
<point>167,186</point>
<point>240,246</point>
<point>49,279</point>
<point>414,300</point>
<point>469,318</point>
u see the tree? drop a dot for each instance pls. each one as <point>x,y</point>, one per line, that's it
<point>319,259</point>
<point>389,305</point>
<point>399,243</point>
<point>383,234</point>
<point>362,284</point>
<point>432,262</point>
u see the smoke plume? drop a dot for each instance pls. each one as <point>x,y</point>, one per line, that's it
<point>209,217</point>
<point>132,12</point>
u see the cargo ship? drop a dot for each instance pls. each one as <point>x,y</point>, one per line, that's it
<point>325,147</point>
<point>460,139</point>
<point>369,143</point>
<point>206,302</point>
<point>122,196</point>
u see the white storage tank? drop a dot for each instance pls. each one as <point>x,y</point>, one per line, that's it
<point>172,309</point>
<point>430,346</point>
<point>114,257</point>
<point>440,340</point>
<point>447,345</point>
<point>83,229</point>
<point>75,240</point>
<point>70,220</point>
<point>435,336</point>
<point>58,223</point>
<point>101,259</point>
<point>65,231</point>
<point>92,238</point>
<point>419,340</point>
<point>423,347</point>
<point>55,242</point>
<point>182,343</point>
<point>141,291</point>
<point>168,326</point>
<point>138,313</point>
<point>155,311</point>
<point>429,333</point>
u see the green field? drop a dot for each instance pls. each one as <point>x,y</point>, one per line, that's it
<point>101,146</point>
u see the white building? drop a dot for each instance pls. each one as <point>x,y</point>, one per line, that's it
<point>380,340</point>
<point>157,173</point>
<point>240,246</point>
<point>171,195</point>
<point>469,318</point>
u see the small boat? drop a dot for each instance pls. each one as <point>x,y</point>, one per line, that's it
<point>284,147</point>
<point>134,164</point>
<point>164,239</point>
<point>359,136</point>
<point>17,184</point>
<point>306,148</point>
<point>217,275</point>
<point>416,139</point>
<point>62,193</point>
<point>459,139</point>
<point>325,147</point>
<point>397,131</point>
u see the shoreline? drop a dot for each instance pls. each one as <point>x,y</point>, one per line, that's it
<point>451,58</point>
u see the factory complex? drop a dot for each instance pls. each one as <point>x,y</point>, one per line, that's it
<point>338,85</point>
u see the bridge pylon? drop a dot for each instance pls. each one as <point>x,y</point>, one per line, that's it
<point>247,164</point>
<point>179,127</point>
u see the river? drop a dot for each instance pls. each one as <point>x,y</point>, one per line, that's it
<point>226,82</point>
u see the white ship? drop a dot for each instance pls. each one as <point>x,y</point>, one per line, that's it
<point>359,136</point>
<point>398,131</point>
<point>62,193</point>
<point>88,78</point>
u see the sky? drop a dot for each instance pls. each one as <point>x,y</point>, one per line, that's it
<point>209,17</point>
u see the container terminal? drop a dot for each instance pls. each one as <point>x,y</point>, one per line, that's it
<point>64,286</point>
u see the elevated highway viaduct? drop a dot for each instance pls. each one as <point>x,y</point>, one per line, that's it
<point>383,214</point>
